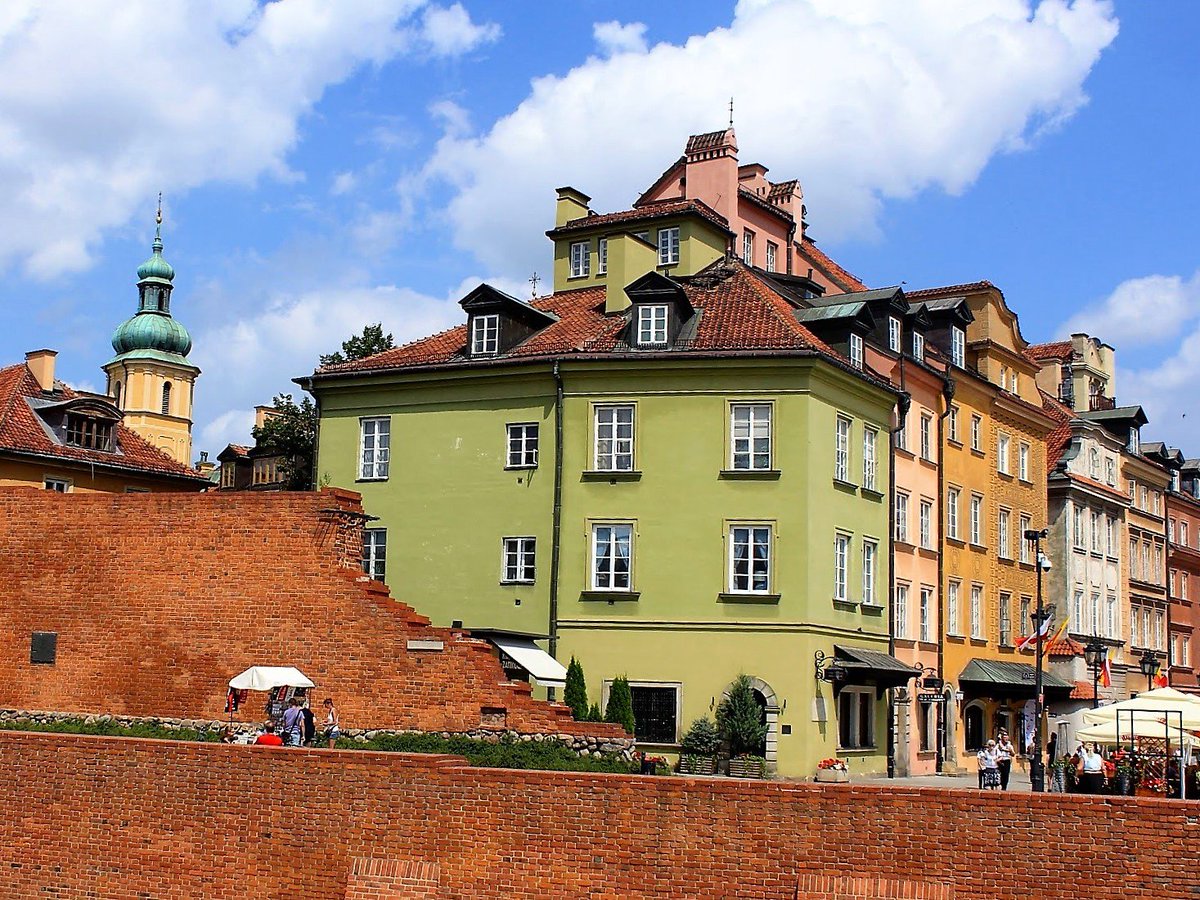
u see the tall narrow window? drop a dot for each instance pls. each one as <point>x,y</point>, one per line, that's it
<point>485,335</point>
<point>1024,615</point>
<point>1024,525</point>
<point>856,351</point>
<point>1005,619</point>
<point>1078,537</point>
<point>841,565</point>
<point>953,596</point>
<point>1112,526</point>
<point>870,552</point>
<point>374,558</point>
<point>519,560</point>
<point>1002,443</point>
<point>1097,532</point>
<point>375,437</point>
<point>901,517</point>
<point>894,334</point>
<point>977,611</point>
<point>523,445</point>
<point>166,398</point>
<point>1003,536</point>
<point>977,433</point>
<point>1110,471</point>
<point>925,524</point>
<point>976,519</point>
<point>750,559</point>
<point>581,259</point>
<point>926,633</point>
<point>952,425</point>
<point>1110,616</point>
<point>1023,461</point>
<point>750,435</point>
<point>772,251</point>
<point>748,247</point>
<point>117,395</point>
<point>952,497</point>
<point>1077,612</point>
<point>652,325</point>
<point>902,610</point>
<point>900,436</point>
<point>614,439</point>
<point>927,437</point>
<point>841,459</point>
<point>612,557</point>
<point>918,345</point>
<point>602,256</point>
<point>958,347</point>
<point>870,463</point>
<point>668,246</point>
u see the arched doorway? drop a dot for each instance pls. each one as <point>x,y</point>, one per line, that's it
<point>973,726</point>
<point>768,704</point>
<point>1002,718</point>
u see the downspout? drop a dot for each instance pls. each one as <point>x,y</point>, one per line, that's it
<point>902,406</point>
<point>1167,578</point>
<point>556,519</point>
<point>948,396</point>
<point>790,238</point>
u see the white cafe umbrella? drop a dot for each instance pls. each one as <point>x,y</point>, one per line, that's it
<point>267,678</point>
<point>1181,709</point>
<point>1108,732</point>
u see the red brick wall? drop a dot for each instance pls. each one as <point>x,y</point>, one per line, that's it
<point>126,818</point>
<point>159,599</point>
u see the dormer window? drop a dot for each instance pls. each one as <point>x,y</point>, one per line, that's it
<point>581,259</point>
<point>1135,440</point>
<point>602,256</point>
<point>894,334</point>
<point>89,433</point>
<point>652,325</point>
<point>485,335</point>
<point>668,246</point>
<point>918,345</point>
<point>856,351</point>
<point>958,347</point>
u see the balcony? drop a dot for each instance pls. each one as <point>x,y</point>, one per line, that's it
<point>1099,402</point>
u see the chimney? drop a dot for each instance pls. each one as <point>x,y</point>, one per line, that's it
<point>629,258</point>
<point>572,204</point>
<point>712,170</point>
<point>263,414</point>
<point>41,364</point>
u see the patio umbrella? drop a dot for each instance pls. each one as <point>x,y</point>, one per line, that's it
<point>266,678</point>
<point>1182,709</point>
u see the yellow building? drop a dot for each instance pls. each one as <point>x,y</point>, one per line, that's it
<point>994,489</point>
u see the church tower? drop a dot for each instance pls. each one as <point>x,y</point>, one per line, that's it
<point>150,378</point>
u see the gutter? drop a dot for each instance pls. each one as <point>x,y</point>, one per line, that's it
<point>556,518</point>
<point>902,407</point>
<point>948,395</point>
<point>70,462</point>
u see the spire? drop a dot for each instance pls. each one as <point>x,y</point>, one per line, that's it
<point>156,267</point>
<point>157,245</point>
<point>730,122</point>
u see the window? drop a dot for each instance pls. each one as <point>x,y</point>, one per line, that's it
<point>652,325</point>
<point>1077,535</point>
<point>1002,533</point>
<point>265,470</point>
<point>900,436</point>
<point>612,547</point>
<point>870,463</point>
<point>1077,610</point>
<point>89,433</point>
<point>841,562</point>
<point>918,345</point>
<point>926,613</point>
<point>1016,382</point>
<point>856,718</point>
<point>1135,440</point>
<point>926,437</point>
<point>58,485</point>
<point>655,713</point>
<point>1110,616</point>
<point>117,395</point>
<point>841,459</point>
<point>750,434</point>
<point>523,445</point>
<point>1183,534</point>
<point>902,611</point>
<point>1110,471</point>
<point>976,519</point>
<point>977,611</point>
<point>750,559</point>
<point>375,437</point>
<point>1145,498</point>
<point>1158,564</point>
<point>977,433</point>
<point>952,497</point>
<point>166,398</point>
<point>602,256</point>
<point>1023,461</point>
<point>519,555</point>
<point>772,250</point>
<point>1134,616</point>
<point>953,424</point>
<point>228,474</point>
<point>1147,634</point>
<point>614,439</point>
<point>374,553</point>
<point>1005,619</point>
<point>894,334</point>
<point>1002,454</point>
<point>485,335</point>
<point>1185,652</point>
<point>1096,532</point>
<point>901,517</point>
<point>1132,489</point>
<point>1159,638</point>
<point>1094,463</point>
<point>581,259</point>
<point>870,552</point>
<point>1111,526</point>
<point>856,351</point>
<point>1095,612</point>
<point>925,524</point>
<point>748,247</point>
<point>1024,524</point>
<point>953,592</point>
<point>1026,603</point>
<point>1183,585</point>
<point>958,347</point>
<point>668,246</point>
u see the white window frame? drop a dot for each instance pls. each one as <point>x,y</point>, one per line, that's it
<point>580,259</point>
<point>772,255</point>
<point>668,246</point>
<point>1110,470</point>
<point>1077,611</point>
<point>894,334</point>
<point>841,457</point>
<point>526,436</point>
<point>925,610</point>
<point>518,560</point>
<point>653,324</point>
<point>977,433</point>
<point>976,520</point>
<point>1004,533</point>
<point>925,524</point>
<point>902,517</point>
<point>856,350</point>
<point>1078,528</point>
<point>595,575</point>
<point>377,441</point>
<point>485,334</point>
<point>602,256</point>
<point>1096,531</point>
<point>373,562</point>
<point>841,566</point>
<point>1024,524</point>
<point>958,347</point>
<point>926,437</point>
<point>750,423</point>
<point>952,425</point>
<point>977,612</point>
<point>1023,461</point>
<point>1110,616</point>
<point>748,246</point>
<point>901,611</point>
<point>1005,616</point>
<point>1185,656</point>
<point>870,558</point>
<point>57,485</point>
<point>870,457</point>
<point>1002,448</point>
<point>918,345</point>
<point>953,496</point>
<point>953,612</point>
<point>606,426</point>
<point>756,534</point>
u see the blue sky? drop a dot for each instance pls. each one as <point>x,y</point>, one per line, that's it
<point>324,169</point>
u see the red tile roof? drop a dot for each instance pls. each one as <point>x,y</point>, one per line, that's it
<point>738,312</point>
<point>1083,691</point>
<point>949,289</point>
<point>707,141</point>
<point>1061,350</point>
<point>844,279</point>
<point>657,209</point>
<point>21,431</point>
<point>1065,646</point>
<point>1060,437</point>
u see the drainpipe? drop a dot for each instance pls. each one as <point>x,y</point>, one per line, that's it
<point>902,406</point>
<point>790,238</point>
<point>948,396</point>
<point>556,521</point>
<point>1167,576</point>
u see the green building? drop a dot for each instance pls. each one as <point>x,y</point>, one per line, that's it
<point>657,469</point>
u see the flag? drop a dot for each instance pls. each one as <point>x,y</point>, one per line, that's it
<point>1160,681</point>
<point>1041,634</point>
<point>1105,674</point>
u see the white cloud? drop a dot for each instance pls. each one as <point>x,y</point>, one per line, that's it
<point>1147,310</point>
<point>103,103</point>
<point>231,427</point>
<point>449,31</point>
<point>453,118</point>
<point>343,183</point>
<point>861,101</point>
<point>613,37</point>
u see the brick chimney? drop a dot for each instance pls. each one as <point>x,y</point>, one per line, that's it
<point>41,364</point>
<point>572,204</point>
<point>712,170</point>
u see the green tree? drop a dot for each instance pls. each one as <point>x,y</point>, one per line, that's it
<point>575,693</point>
<point>702,738</point>
<point>359,346</point>
<point>620,705</point>
<point>594,714</point>
<point>740,719</point>
<point>292,432</point>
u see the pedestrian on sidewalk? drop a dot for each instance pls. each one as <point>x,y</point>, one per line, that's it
<point>989,771</point>
<point>333,723</point>
<point>1090,769</point>
<point>1005,751</point>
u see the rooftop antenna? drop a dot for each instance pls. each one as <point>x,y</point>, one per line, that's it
<point>534,280</point>
<point>730,112</point>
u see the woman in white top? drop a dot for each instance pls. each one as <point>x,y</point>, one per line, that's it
<point>1005,751</point>
<point>1090,770</point>
<point>989,758</point>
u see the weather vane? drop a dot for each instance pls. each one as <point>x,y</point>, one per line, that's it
<point>730,112</point>
<point>535,279</point>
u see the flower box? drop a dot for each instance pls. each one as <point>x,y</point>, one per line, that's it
<point>832,776</point>
<point>691,764</point>
<point>747,766</point>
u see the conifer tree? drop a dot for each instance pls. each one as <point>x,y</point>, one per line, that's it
<point>620,705</point>
<point>740,719</point>
<point>575,693</point>
<point>594,714</point>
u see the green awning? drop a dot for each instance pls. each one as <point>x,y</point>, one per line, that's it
<point>859,665</point>
<point>1003,680</point>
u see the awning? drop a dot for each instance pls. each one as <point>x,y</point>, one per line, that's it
<point>267,678</point>
<point>860,666</point>
<point>541,666</point>
<point>1010,680</point>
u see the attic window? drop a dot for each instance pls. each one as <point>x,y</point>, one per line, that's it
<point>894,334</point>
<point>1135,440</point>
<point>652,325</point>
<point>958,347</point>
<point>856,351</point>
<point>89,433</point>
<point>918,345</point>
<point>485,335</point>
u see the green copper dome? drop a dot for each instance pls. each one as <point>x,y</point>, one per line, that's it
<point>156,266</point>
<point>152,330</point>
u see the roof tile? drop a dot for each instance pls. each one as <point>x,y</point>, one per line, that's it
<point>1061,350</point>
<point>657,209</point>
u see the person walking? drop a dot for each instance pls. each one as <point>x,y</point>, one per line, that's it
<point>333,723</point>
<point>309,724</point>
<point>1005,751</point>
<point>1090,770</point>
<point>989,771</point>
<point>1052,748</point>
<point>293,723</point>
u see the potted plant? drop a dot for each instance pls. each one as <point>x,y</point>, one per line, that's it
<point>833,770</point>
<point>1123,772</point>
<point>739,718</point>
<point>1058,773</point>
<point>699,748</point>
<point>745,765</point>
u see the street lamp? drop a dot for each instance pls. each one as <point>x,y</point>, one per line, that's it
<point>1037,768</point>
<point>1096,652</point>
<point>1150,664</point>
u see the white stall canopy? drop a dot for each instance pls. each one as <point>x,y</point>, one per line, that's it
<point>267,678</point>
<point>541,666</point>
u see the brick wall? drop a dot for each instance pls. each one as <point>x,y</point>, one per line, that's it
<point>158,600</point>
<point>116,818</point>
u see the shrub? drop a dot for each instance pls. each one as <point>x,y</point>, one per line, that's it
<point>702,738</point>
<point>740,719</point>
<point>620,705</point>
<point>594,714</point>
<point>110,728</point>
<point>506,753</point>
<point>575,693</point>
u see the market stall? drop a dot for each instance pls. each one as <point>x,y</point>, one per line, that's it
<point>280,683</point>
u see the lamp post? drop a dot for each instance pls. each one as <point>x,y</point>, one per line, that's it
<point>1037,769</point>
<point>1096,652</point>
<point>1149,664</point>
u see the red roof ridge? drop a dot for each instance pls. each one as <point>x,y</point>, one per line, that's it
<point>965,288</point>
<point>1052,350</point>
